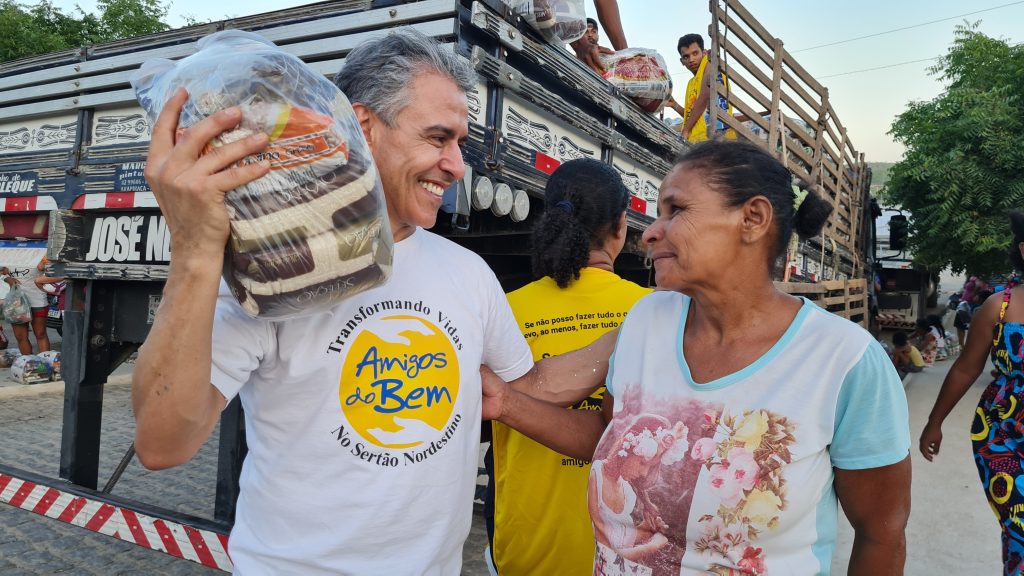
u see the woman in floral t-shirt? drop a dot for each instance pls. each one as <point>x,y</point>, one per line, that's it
<point>737,415</point>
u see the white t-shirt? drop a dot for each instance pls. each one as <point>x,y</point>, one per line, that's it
<point>363,423</point>
<point>940,340</point>
<point>26,276</point>
<point>737,474</point>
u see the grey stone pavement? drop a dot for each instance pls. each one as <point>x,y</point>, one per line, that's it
<point>951,532</point>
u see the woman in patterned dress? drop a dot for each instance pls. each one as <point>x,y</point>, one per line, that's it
<point>997,432</point>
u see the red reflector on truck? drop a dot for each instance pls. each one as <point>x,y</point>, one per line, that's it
<point>545,163</point>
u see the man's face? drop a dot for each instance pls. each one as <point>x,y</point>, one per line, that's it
<point>691,56</point>
<point>591,34</point>
<point>418,157</point>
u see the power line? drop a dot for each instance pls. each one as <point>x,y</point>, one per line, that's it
<point>894,65</point>
<point>906,27</point>
<point>879,67</point>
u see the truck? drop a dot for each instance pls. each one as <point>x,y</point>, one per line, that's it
<point>73,144</point>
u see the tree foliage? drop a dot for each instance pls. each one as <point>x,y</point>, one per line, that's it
<point>28,30</point>
<point>963,170</point>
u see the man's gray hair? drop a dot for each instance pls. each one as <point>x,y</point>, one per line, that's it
<point>378,72</point>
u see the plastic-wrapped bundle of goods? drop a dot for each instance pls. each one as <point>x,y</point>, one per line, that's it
<point>52,359</point>
<point>30,369</point>
<point>558,21</point>
<point>640,74</point>
<point>314,229</point>
<point>17,309</point>
<point>8,356</point>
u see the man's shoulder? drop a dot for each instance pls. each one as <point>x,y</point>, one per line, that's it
<point>436,242</point>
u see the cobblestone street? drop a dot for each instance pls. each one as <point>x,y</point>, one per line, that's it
<point>30,425</point>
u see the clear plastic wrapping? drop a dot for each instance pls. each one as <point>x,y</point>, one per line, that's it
<point>314,230</point>
<point>17,309</point>
<point>558,21</point>
<point>640,74</point>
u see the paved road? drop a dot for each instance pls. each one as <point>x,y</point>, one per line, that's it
<point>952,531</point>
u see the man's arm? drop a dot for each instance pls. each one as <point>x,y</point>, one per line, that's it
<point>176,407</point>
<point>608,14</point>
<point>568,378</point>
<point>671,103</point>
<point>877,503</point>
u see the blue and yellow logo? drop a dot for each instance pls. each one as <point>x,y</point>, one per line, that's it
<point>399,382</point>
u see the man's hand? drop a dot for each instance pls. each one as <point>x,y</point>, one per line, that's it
<point>495,391</point>
<point>190,183</point>
<point>589,53</point>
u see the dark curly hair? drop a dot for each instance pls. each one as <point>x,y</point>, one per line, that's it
<point>583,202</point>
<point>1017,227</point>
<point>740,171</point>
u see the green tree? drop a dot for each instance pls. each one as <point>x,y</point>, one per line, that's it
<point>963,170</point>
<point>28,30</point>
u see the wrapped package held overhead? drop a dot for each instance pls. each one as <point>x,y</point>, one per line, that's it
<point>558,21</point>
<point>314,229</point>
<point>640,74</point>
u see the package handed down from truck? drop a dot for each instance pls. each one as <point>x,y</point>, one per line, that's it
<point>640,74</point>
<point>557,21</point>
<point>314,229</point>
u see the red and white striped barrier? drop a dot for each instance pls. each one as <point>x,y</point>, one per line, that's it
<point>28,204</point>
<point>179,540</point>
<point>110,200</point>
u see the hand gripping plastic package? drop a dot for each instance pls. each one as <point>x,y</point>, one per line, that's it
<point>558,21</point>
<point>640,74</point>
<point>313,230</point>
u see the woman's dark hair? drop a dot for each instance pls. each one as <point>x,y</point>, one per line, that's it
<point>923,324</point>
<point>936,321</point>
<point>1017,227</point>
<point>583,202</point>
<point>740,171</point>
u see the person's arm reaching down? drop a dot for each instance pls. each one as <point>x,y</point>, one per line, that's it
<point>608,14</point>
<point>176,407</point>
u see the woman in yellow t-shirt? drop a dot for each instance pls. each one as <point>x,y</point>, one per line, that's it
<point>540,519</point>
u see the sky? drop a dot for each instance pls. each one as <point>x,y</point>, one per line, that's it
<point>866,101</point>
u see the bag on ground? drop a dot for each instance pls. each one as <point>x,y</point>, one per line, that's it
<point>313,230</point>
<point>52,359</point>
<point>30,369</point>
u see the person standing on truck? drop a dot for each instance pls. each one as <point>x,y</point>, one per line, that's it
<point>736,414</point>
<point>25,278</point>
<point>588,49</point>
<point>698,90</point>
<point>997,329</point>
<point>363,423</point>
<point>537,491</point>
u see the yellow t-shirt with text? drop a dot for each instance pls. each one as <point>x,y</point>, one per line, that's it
<point>541,522</point>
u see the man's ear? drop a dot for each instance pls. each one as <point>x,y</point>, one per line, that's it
<point>367,119</point>
<point>758,217</point>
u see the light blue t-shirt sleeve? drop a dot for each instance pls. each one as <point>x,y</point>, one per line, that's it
<point>872,427</point>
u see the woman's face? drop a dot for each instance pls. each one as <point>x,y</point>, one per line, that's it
<point>695,237</point>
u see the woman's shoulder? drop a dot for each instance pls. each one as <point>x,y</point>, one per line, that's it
<point>825,325</point>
